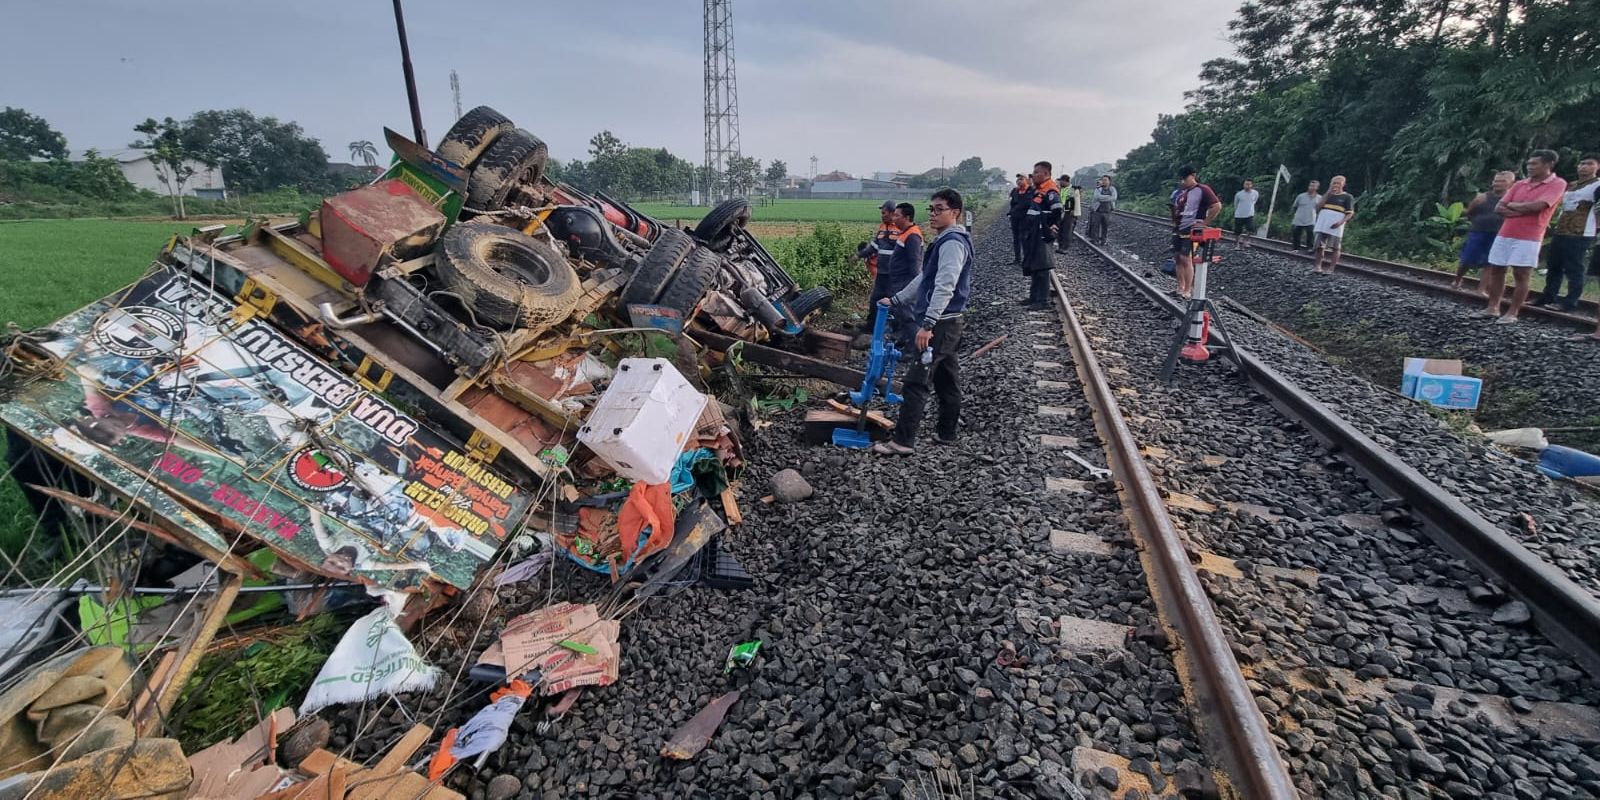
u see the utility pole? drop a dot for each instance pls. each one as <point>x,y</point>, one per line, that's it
<point>722,97</point>
<point>455,92</point>
<point>411,79</point>
<point>813,168</point>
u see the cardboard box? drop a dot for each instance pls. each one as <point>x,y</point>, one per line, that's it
<point>1439,382</point>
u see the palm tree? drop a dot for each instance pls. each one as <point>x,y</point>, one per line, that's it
<point>366,151</point>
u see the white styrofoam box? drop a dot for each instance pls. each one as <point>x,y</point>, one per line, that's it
<point>644,419</point>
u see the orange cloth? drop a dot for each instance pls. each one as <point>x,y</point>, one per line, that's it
<point>647,504</point>
<point>442,761</point>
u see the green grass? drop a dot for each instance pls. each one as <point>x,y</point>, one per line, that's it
<point>865,211</point>
<point>49,268</point>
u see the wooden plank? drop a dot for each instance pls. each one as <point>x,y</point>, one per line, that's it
<point>189,654</point>
<point>875,417</point>
<point>784,360</point>
<point>409,744</point>
<point>730,507</point>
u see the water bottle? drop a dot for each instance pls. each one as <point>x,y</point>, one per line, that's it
<point>927,356</point>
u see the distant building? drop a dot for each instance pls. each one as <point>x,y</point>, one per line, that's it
<point>852,186</point>
<point>834,176</point>
<point>141,170</point>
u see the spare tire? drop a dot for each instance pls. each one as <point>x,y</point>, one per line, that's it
<point>515,157</point>
<point>508,278</point>
<point>655,271</point>
<point>691,282</point>
<point>472,134</point>
<point>716,228</point>
<point>817,298</point>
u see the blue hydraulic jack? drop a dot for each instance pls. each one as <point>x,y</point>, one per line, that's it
<point>881,361</point>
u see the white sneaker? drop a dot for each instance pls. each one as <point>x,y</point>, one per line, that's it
<point>1506,320</point>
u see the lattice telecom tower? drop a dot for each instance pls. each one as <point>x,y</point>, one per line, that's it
<point>722,98</point>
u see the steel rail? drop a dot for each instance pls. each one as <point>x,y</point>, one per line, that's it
<point>1411,276</point>
<point>1566,612</point>
<point>1230,723</point>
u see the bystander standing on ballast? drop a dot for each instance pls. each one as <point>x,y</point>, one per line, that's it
<point>1574,233</point>
<point>1017,212</point>
<point>1044,214</point>
<point>1105,202</point>
<point>1244,211</point>
<point>1527,207</point>
<point>1483,223</point>
<point>1194,206</point>
<point>1334,213</point>
<point>1305,216</point>
<point>876,254</point>
<point>935,301</point>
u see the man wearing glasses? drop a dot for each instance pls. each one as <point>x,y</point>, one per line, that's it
<point>935,300</point>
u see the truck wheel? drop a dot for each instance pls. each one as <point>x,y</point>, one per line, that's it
<point>515,157</point>
<point>691,282</point>
<point>817,298</point>
<point>656,270</point>
<point>716,229</point>
<point>472,134</point>
<point>508,278</point>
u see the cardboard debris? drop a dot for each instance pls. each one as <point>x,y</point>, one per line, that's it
<point>240,768</point>
<point>1439,382</point>
<point>533,641</point>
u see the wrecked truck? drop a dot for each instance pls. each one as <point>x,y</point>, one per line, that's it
<point>388,389</point>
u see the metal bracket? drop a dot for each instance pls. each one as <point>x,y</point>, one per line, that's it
<point>254,300</point>
<point>364,376</point>
<point>482,447</point>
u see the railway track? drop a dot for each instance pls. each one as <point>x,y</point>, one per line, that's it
<point>1411,276</point>
<point>1337,577</point>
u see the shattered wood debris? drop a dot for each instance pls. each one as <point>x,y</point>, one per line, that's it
<point>357,407</point>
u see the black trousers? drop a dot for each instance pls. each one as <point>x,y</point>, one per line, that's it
<point>1299,231</point>
<point>1039,287</point>
<point>1017,229</point>
<point>942,377</point>
<point>1099,223</point>
<point>1565,262</point>
<point>1064,240</point>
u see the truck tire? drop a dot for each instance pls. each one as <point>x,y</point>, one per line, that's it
<point>515,157</point>
<point>716,229</point>
<point>817,298</point>
<point>508,278</point>
<point>472,134</point>
<point>655,271</point>
<point>691,282</point>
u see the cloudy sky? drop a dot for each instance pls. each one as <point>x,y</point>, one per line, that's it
<point>862,86</point>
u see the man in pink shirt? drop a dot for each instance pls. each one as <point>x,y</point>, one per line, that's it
<point>1527,208</point>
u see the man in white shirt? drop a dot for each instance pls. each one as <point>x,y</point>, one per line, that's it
<point>1244,210</point>
<point>1305,215</point>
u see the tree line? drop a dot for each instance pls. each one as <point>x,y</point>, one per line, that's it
<point>256,155</point>
<point>1417,102</point>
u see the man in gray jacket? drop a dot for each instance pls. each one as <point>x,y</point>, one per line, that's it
<point>934,302</point>
<point>1305,214</point>
<point>1103,203</point>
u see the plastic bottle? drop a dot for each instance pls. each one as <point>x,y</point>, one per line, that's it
<point>927,356</point>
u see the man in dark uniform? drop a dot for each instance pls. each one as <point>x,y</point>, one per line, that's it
<point>1043,224</point>
<point>876,253</point>
<point>1017,211</point>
